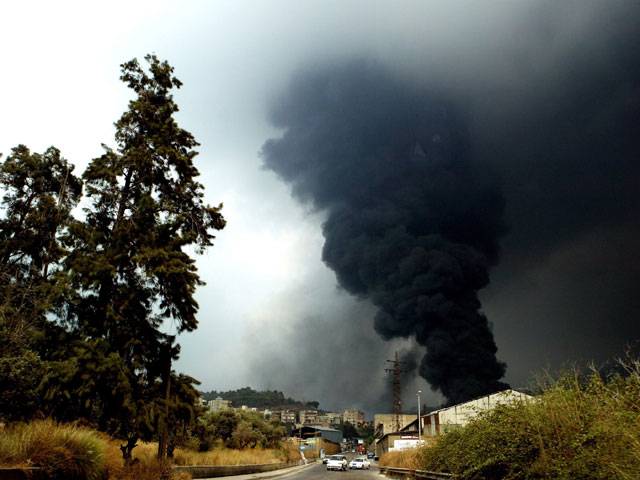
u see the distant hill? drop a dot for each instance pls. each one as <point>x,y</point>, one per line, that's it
<point>265,399</point>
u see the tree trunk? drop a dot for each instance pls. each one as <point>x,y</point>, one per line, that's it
<point>171,446</point>
<point>163,424</point>
<point>127,449</point>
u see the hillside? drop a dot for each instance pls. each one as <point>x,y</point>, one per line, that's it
<point>260,399</point>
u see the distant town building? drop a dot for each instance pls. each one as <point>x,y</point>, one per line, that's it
<point>288,416</point>
<point>218,404</point>
<point>329,418</point>
<point>355,417</point>
<point>308,417</point>
<point>384,423</point>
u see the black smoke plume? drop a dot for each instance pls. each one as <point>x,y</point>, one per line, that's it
<point>413,223</point>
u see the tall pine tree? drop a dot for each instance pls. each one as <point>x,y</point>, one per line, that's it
<point>39,192</point>
<point>130,263</point>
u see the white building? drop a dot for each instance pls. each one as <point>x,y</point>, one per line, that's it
<point>308,417</point>
<point>445,419</point>
<point>218,404</point>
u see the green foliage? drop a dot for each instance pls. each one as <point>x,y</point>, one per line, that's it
<point>63,451</point>
<point>349,430</point>
<point>580,427</point>
<point>39,191</point>
<point>82,302</point>
<point>20,376</point>
<point>259,399</point>
<point>128,265</point>
<point>238,429</point>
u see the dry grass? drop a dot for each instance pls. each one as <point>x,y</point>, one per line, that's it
<point>73,452</point>
<point>228,456</point>
<point>64,451</point>
<point>402,459</point>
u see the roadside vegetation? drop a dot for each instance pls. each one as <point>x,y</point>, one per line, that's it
<point>235,429</point>
<point>582,426</point>
<point>69,451</point>
<point>287,452</point>
<point>72,452</point>
<point>402,459</point>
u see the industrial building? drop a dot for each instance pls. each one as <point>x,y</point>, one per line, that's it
<point>308,432</point>
<point>436,422</point>
<point>456,416</point>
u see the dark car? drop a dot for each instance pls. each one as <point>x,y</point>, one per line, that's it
<point>370,454</point>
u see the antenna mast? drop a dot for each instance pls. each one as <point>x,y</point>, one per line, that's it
<point>396,370</point>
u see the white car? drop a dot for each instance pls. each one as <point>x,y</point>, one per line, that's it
<point>360,463</point>
<point>337,462</point>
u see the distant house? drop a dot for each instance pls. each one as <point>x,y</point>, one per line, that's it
<point>288,416</point>
<point>308,417</point>
<point>218,404</point>
<point>353,416</point>
<point>329,418</point>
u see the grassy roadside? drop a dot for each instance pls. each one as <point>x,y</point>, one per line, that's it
<point>72,452</point>
<point>228,456</point>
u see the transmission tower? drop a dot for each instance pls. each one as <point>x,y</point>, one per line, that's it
<point>396,370</point>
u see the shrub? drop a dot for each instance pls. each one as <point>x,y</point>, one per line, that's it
<point>580,427</point>
<point>237,430</point>
<point>63,451</point>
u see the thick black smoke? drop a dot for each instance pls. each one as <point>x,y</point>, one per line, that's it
<point>413,224</point>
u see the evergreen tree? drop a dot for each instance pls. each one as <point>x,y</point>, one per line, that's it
<point>129,264</point>
<point>39,192</point>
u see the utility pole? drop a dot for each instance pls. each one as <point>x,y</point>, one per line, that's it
<point>396,371</point>
<point>419,420</point>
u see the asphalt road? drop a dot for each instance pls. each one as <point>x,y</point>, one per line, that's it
<point>319,472</point>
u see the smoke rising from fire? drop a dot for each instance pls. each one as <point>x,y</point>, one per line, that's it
<point>412,225</point>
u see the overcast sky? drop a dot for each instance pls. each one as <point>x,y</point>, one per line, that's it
<point>548,93</point>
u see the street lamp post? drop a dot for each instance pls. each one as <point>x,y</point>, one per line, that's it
<point>419,420</point>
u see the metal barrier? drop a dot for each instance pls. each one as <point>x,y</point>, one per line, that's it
<point>410,472</point>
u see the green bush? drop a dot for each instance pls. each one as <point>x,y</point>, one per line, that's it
<point>63,451</point>
<point>237,429</point>
<point>580,427</point>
